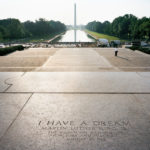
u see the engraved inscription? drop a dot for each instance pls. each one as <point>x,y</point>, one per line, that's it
<point>77,131</point>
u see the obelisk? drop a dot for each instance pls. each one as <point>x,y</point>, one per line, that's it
<point>75,23</point>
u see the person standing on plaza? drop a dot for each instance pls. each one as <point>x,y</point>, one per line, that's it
<point>116,51</point>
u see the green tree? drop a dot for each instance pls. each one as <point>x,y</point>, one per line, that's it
<point>13,27</point>
<point>127,27</point>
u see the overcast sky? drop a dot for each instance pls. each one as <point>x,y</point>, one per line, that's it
<point>63,10</point>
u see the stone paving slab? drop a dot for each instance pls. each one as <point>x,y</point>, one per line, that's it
<point>135,69</point>
<point>75,51</point>
<point>144,74</point>
<point>109,52</point>
<point>34,52</point>
<point>22,61</point>
<point>127,60</point>
<point>86,121</point>
<point>144,101</point>
<point>7,75</point>
<point>27,60</point>
<point>10,106</point>
<point>37,59</point>
<point>75,69</point>
<point>18,69</point>
<point>77,57</point>
<point>122,61</point>
<point>76,105</point>
<point>82,82</point>
<point>79,61</point>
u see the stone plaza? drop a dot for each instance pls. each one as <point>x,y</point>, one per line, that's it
<point>75,98</point>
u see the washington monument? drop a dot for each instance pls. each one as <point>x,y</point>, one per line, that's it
<point>75,19</point>
<point>75,24</point>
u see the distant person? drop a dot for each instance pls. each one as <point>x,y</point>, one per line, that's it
<point>116,51</point>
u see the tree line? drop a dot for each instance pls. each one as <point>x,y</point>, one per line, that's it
<point>125,27</point>
<point>14,29</point>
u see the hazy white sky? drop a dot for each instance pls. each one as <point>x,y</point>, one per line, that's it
<point>63,10</point>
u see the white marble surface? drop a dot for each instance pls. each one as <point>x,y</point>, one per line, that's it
<point>10,106</point>
<point>77,57</point>
<point>4,76</point>
<point>81,121</point>
<point>103,82</point>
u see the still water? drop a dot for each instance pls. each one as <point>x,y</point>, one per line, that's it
<point>75,36</point>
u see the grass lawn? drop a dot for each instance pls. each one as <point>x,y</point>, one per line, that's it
<point>103,36</point>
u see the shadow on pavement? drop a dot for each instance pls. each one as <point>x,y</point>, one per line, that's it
<point>123,58</point>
